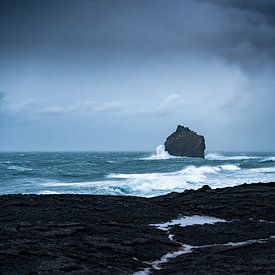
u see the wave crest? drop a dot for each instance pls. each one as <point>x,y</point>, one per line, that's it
<point>48,192</point>
<point>160,154</point>
<point>230,167</point>
<point>266,170</point>
<point>18,168</point>
<point>148,183</point>
<point>216,156</point>
<point>268,159</point>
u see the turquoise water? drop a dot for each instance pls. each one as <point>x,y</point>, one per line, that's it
<point>129,173</point>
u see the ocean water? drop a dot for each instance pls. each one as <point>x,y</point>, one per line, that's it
<point>129,173</point>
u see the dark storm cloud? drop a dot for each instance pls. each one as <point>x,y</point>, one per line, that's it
<point>117,62</point>
<point>263,7</point>
<point>239,31</point>
<point>249,36</point>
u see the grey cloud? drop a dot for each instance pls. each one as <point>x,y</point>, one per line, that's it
<point>170,105</point>
<point>37,108</point>
<point>95,106</point>
<point>235,30</point>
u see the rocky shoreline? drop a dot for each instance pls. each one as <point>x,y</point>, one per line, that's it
<point>85,234</point>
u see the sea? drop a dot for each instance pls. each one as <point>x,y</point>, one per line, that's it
<point>145,174</point>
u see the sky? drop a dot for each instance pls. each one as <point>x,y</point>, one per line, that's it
<point>118,75</point>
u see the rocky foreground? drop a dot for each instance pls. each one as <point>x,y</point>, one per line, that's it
<point>83,234</point>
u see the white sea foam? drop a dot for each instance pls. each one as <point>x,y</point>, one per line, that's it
<point>153,184</point>
<point>188,220</point>
<point>160,154</point>
<point>18,168</point>
<point>268,159</point>
<point>79,184</point>
<point>217,156</point>
<point>111,161</point>
<point>149,182</point>
<point>189,177</point>
<point>93,187</point>
<point>263,170</point>
<point>48,192</point>
<point>230,167</point>
<point>141,178</point>
<point>68,184</point>
<point>145,184</point>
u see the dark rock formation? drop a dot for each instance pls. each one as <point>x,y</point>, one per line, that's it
<point>84,234</point>
<point>185,143</point>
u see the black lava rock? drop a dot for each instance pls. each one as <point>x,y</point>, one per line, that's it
<point>185,143</point>
<point>84,234</point>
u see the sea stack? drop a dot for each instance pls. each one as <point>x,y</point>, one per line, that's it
<point>185,143</point>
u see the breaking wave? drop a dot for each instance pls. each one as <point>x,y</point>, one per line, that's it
<point>152,184</point>
<point>230,167</point>
<point>190,177</point>
<point>264,170</point>
<point>122,173</point>
<point>147,184</point>
<point>104,187</point>
<point>160,154</point>
<point>268,159</point>
<point>216,156</point>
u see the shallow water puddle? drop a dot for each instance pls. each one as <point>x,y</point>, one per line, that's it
<point>188,220</point>
<point>185,248</point>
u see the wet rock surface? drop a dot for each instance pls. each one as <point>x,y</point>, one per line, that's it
<point>257,258</point>
<point>185,143</point>
<point>83,234</point>
<point>220,233</point>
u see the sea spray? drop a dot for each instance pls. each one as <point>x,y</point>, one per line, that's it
<point>160,154</point>
<point>129,173</point>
